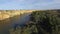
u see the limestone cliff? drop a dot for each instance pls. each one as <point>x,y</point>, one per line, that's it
<point>10,13</point>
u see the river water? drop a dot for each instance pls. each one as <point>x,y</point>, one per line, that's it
<point>4,28</point>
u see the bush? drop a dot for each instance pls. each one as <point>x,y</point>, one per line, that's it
<point>42,22</point>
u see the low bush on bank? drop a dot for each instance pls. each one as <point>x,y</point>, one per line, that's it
<point>41,22</point>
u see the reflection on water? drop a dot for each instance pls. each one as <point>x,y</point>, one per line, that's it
<point>6,24</point>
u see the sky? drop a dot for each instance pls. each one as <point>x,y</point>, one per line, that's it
<point>29,4</point>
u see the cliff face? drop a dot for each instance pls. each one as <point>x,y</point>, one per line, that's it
<point>10,13</point>
<point>8,18</point>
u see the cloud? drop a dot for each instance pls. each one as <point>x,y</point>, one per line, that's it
<point>29,4</point>
<point>57,1</point>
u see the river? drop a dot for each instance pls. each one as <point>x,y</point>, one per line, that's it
<point>4,28</point>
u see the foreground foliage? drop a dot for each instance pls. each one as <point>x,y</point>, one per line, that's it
<point>41,22</point>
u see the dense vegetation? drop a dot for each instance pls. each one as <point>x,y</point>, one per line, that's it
<point>41,22</point>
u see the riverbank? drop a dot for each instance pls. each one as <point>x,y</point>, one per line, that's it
<point>8,23</point>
